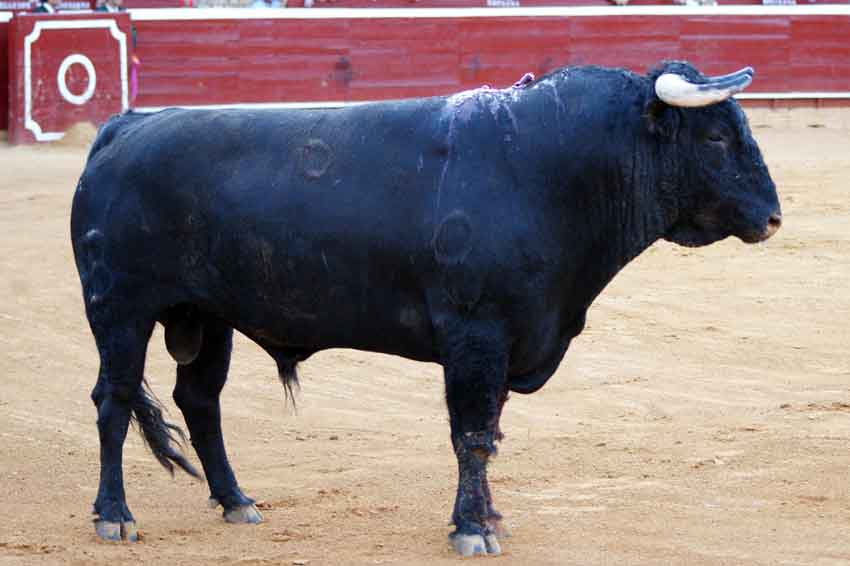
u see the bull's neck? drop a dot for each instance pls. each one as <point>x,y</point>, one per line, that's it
<point>631,212</point>
<point>608,171</point>
<point>621,221</point>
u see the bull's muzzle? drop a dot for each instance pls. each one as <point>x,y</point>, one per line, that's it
<point>773,224</point>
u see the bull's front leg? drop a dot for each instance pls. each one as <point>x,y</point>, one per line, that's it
<point>494,518</point>
<point>475,372</point>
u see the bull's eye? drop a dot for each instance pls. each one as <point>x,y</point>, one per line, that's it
<point>716,142</point>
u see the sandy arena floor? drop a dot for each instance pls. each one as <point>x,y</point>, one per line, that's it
<point>702,418</point>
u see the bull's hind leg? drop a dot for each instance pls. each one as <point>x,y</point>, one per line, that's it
<point>199,385</point>
<point>118,395</point>
<point>475,362</point>
<point>122,360</point>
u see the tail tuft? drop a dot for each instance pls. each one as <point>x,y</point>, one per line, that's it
<point>159,435</point>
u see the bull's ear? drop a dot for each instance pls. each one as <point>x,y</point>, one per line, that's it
<point>661,119</point>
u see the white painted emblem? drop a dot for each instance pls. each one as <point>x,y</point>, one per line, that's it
<point>79,59</point>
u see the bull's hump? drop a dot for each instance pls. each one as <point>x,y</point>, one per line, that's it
<point>479,104</point>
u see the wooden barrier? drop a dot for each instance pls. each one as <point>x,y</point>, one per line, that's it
<point>5,17</point>
<point>301,56</point>
<point>333,56</point>
<point>63,70</point>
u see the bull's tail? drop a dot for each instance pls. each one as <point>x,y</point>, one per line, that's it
<point>159,435</point>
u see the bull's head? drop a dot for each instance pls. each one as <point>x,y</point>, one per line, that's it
<point>722,186</point>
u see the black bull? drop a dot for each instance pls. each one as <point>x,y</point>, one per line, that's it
<point>473,231</point>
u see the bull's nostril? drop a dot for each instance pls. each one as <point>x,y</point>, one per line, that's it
<point>774,221</point>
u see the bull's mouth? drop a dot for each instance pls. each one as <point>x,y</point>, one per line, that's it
<point>704,230</point>
<point>693,235</point>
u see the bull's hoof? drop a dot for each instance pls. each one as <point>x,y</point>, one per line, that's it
<point>499,528</point>
<point>118,531</point>
<point>475,545</point>
<point>244,514</point>
<point>492,542</point>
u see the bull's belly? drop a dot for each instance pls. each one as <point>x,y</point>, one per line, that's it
<point>312,319</point>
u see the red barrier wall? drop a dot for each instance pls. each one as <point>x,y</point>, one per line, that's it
<point>4,75</point>
<point>290,59</point>
<point>208,56</point>
<point>65,70</point>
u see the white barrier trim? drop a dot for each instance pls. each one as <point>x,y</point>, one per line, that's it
<point>793,95</point>
<point>340,104</point>
<point>256,105</point>
<point>150,14</point>
<point>33,36</point>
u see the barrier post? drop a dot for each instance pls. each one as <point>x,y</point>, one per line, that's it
<point>66,69</point>
<point>5,18</point>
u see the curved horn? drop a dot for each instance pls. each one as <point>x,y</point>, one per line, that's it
<point>675,90</point>
<point>736,74</point>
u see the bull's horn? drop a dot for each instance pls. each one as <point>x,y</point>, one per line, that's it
<point>675,90</point>
<point>736,74</point>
